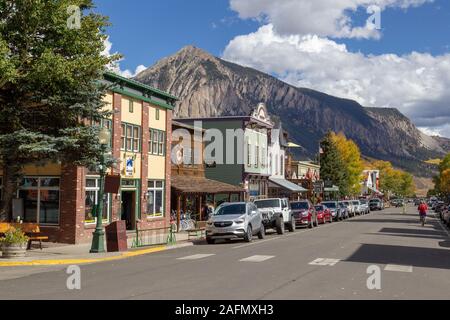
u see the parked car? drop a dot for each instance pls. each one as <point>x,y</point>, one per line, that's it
<point>304,213</point>
<point>376,204</point>
<point>276,214</point>
<point>358,208</point>
<point>439,207</point>
<point>446,216</point>
<point>443,212</point>
<point>365,206</point>
<point>397,203</point>
<point>344,210</point>
<point>335,209</point>
<point>350,208</point>
<point>241,220</point>
<point>323,214</point>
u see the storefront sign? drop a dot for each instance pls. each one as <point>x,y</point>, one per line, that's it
<point>129,170</point>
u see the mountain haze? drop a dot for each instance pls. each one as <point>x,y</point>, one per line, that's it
<point>208,86</point>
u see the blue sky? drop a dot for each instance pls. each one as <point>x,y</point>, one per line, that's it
<point>146,31</point>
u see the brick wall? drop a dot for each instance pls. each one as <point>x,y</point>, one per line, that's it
<point>71,228</point>
<point>116,145</point>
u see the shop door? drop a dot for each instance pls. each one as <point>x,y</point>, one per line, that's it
<point>128,209</point>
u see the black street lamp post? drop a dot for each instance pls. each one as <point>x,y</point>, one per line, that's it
<point>98,239</point>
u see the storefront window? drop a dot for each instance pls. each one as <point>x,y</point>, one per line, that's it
<point>91,201</point>
<point>49,207</point>
<point>155,199</point>
<point>40,200</point>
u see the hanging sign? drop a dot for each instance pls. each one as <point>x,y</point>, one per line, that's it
<point>129,169</point>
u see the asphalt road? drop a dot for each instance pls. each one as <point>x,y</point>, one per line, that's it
<point>329,262</point>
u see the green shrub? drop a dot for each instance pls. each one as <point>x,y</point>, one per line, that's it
<point>14,236</point>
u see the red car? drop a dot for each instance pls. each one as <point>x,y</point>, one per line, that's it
<point>323,214</point>
<point>304,213</point>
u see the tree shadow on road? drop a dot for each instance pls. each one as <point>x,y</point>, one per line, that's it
<point>410,256</point>
<point>428,232</point>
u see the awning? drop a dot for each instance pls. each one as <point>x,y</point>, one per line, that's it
<point>283,183</point>
<point>332,189</point>
<point>201,185</point>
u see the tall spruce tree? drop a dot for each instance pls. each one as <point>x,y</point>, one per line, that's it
<point>332,167</point>
<point>49,81</point>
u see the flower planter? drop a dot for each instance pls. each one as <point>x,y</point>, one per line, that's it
<point>12,251</point>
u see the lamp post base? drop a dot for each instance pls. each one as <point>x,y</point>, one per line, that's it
<point>98,242</point>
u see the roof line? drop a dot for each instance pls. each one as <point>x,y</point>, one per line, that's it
<point>139,85</point>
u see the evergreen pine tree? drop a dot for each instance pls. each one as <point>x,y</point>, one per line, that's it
<point>50,69</point>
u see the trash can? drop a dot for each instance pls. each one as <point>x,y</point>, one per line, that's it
<point>116,237</point>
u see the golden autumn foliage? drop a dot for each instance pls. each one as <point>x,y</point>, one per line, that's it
<point>393,181</point>
<point>351,156</point>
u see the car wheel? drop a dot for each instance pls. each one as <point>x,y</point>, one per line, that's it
<point>280,226</point>
<point>292,226</point>
<point>210,241</point>
<point>262,232</point>
<point>249,234</point>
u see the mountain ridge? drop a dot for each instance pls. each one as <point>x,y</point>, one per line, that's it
<point>209,86</point>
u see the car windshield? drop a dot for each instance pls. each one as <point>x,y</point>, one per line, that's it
<point>273,203</point>
<point>299,206</point>
<point>331,205</point>
<point>374,201</point>
<point>230,209</point>
<point>355,203</point>
<point>341,205</point>
<point>319,208</point>
<point>363,201</point>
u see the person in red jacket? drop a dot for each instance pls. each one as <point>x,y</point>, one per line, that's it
<point>423,208</point>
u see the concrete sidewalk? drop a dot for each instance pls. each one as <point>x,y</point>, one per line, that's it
<point>60,254</point>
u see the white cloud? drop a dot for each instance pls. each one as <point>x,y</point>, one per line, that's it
<point>417,84</point>
<point>442,131</point>
<point>319,17</point>
<point>115,67</point>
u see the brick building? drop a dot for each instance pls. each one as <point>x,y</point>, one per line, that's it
<point>61,197</point>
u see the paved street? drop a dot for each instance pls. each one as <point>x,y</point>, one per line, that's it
<point>329,262</point>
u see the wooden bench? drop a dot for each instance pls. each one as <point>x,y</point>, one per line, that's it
<point>199,232</point>
<point>31,230</point>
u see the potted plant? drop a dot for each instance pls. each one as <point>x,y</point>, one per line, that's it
<point>14,244</point>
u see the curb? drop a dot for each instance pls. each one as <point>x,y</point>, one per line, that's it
<point>122,256</point>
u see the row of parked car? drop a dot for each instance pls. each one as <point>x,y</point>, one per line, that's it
<point>245,220</point>
<point>443,211</point>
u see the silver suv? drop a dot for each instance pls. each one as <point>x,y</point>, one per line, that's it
<point>241,220</point>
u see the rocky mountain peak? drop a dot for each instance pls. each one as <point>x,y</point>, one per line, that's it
<point>209,86</point>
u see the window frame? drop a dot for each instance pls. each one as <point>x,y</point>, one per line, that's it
<point>96,189</point>
<point>130,143</point>
<point>130,106</point>
<point>38,190</point>
<point>157,142</point>
<point>154,189</point>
